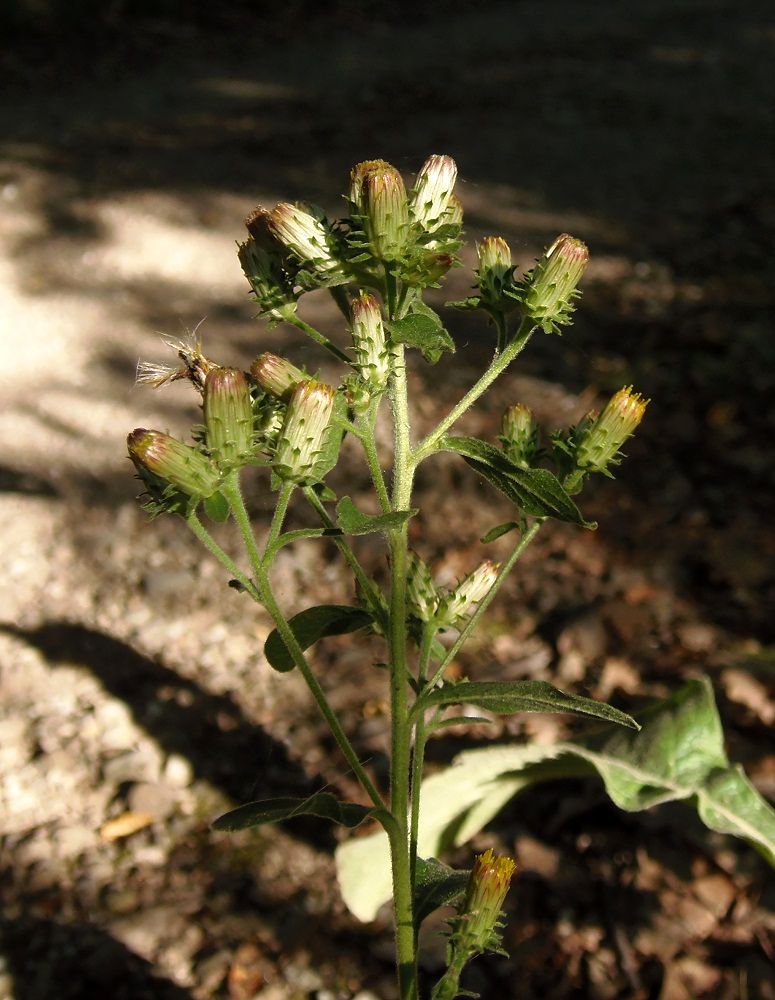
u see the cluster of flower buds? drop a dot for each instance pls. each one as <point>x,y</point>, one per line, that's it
<point>372,357</point>
<point>495,274</point>
<point>546,294</point>
<point>476,929</point>
<point>519,435</point>
<point>599,437</point>
<point>303,432</point>
<point>459,603</point>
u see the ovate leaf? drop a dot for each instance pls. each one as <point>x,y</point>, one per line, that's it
<point>313,624</point>
<point>217,507</point>
<point>498,531</point>
<point>352,522</point>
<point>322,804</point>
<point>423,331</point>
<point>436,885</point>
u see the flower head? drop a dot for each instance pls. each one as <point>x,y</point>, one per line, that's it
<point>305,234</point>
<point>228,416</point>
<point>599,438</point>
<point>276,375</point>
<point>159,457</point>
<point>421,595</point>
<point>369,342</point>
<point>379,203</point>
<point>432,195</point>
<point>303,432</point>
<point>459,603</point>
<point>548,291</point>
<point>519,435</point>
<point>496,271</point>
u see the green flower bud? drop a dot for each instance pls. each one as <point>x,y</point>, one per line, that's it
<point>270,282</point>
<point>371,352</point>
<point>496,271</point>
<point>519,435</point>
<point>303,431</point>
<point>306,235</point>
<point>477,927</point>
<point>228,416</point>
<point>378,197</point>
<point>548,291</point>
<point>168,459</point>
<point>276,376</point>
<point>432,192</point>
<point>459,603</point>
<point>421,595</point>
<point>599,439</point>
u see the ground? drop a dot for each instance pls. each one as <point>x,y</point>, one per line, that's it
<point>136,703</point>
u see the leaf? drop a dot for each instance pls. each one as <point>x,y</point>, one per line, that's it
<point>332,441</point>
<point>312,624</point>
<point>352,522</point>
<point>423,331</point>
<point>498,531</point>
<point>217,508</point>
<point>536,491</point>
<point>678,755</point>
<point>507,697</point>
<point>322,804</point>
<point>436,885</point>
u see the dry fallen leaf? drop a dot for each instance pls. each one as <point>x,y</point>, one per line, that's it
<point>125,825</point>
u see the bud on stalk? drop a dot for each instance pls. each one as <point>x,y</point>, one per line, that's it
<point>368,333</point>
<point>378,196</point>
<point>460,602</point>
<point>549,289</point>
<point>303,431</point>
<point>519,434</point>
<point>603,436</point>
<point>275,375</point>
<point>421,595</point>
<point>495,270</point>
<point>228,416</point>
<point>304,233</point>
<point>166,458</point>
<point>432,193</point>
<point>271,285</point>
<point>486,892</point>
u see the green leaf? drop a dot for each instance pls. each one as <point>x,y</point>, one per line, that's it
<point>436,885</point>
<point>536,491</point>
<point>217,508</point>
<point>352,522</point>
<point>322,804</point>
<point>677,755</point>
<point>498,531</point>
<point>332,442</point>
<point>507,697</point>
<point>423,331</point>
<point>312,624</point>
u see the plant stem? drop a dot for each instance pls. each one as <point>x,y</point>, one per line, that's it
<point>485,602</point>
<point>448,987</point>
<point>499,364</point>
<point>418,754</point>
<point>233,494</point>
<point>399,683</point>
<point>278,518</point>
<point>209,543</point>
<point>319,338</point>
<point>368,426</point>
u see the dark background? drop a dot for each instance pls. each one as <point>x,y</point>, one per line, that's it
<point>133,139</point>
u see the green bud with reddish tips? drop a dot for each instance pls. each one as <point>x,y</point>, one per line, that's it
<point>369,343</point>
<point>276,375</point>
<point>432,203</point>
<point>460,602</point>
<point>422,598</point>
<point>547,292</point>
<point>306,235</point>
<point>379,204</point>
<point>477,928</point>
<point>301,437</point>
<point>519,435</point>
<point>496,271</point>
<point>228,417</point>
<point>599,438</point>
<point>173,462</point>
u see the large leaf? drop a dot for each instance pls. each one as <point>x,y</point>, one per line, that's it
<point>313,624</point>
<point>507,697</point>
<point>352,522</point>
<point>678,755</point>
<point>536,491</point>
<point>321,804</point>
<point>422,329</point>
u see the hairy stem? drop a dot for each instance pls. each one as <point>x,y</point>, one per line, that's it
<point>319,338</point>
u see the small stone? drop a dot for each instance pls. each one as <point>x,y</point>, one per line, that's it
<point>697,637</point>
<point>74,840</point>
<point>178,771</point>
<point>152,798</point>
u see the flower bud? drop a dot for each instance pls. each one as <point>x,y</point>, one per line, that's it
<point>495,270</point>
<point>276,376</point>
<point>519,434</point>
<point>601,437</point>
<point>228,416</point>
<point>421,595</point>
<point>476,930</point>
<point>271,284</point>
<point>432,193</point>
<point>303,431</point>
<point>168,459</point>
<point>459,603</point>
<point>371,352</point>
<point>305,234</point>
<point>378,197</point>
<point>548,291</point>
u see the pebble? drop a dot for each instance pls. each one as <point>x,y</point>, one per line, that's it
<point>153,798</point>
<point>178,772</point>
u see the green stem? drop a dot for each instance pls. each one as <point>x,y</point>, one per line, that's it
<point>399,684</point>
<point>486,601</point>
<point>367,435</point>
<point>278,518</point>
<point>418,755</point>
<point>497,367</point>
<point>448,987</point>
<point>319,338</point>
<point>209,542</point>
